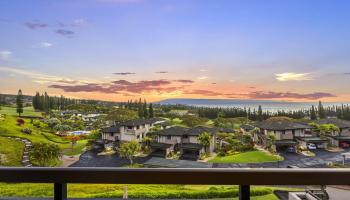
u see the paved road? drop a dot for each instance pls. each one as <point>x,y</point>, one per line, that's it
<point>90,159</point>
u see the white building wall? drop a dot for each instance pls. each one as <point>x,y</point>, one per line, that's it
<point>299,133</point>
<point>345,132</point>
<point>127,137</point>
<point>193,139</point>
<point>172,140</point>
<point>110,136</point>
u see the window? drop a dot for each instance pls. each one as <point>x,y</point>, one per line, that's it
<point>111,134</point>
<point>168,137</point>
<point>185,136</point>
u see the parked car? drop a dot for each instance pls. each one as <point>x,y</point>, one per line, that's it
<point>311,146</point>
<point>292,166</point>
<point>291,150</point>
<point>344,145</point>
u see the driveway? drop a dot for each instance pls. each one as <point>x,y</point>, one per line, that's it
<point>321,159</point>
<point>91,159</point>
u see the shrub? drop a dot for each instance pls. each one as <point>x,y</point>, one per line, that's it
<point>27,131</point>
<point>221,153</point>
<point>20,122</point>
<point>146,149</point>
<point>45,154</point>
<point>36,123</point>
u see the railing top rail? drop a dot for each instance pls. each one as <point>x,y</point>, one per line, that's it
<point>177,176</point>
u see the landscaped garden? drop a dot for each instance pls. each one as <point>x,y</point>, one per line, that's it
<point>135,191</point>
<point>34,130</point>
<point>255,156</point>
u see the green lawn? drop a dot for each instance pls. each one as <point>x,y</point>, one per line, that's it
<point>11,151</point>
<point>134,191</point>
<point>27,111</point>
<point>247,157</point>
<point>77,149</point>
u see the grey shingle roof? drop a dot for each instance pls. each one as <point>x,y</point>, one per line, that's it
<point>112,129</point>
<point>281,125</point>
<point>195,131</point>
<point>159,145</point>
<point>173,131</point>
<point>312,139</point>
<point>247,127</point>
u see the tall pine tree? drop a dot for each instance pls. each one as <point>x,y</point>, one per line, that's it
<point>145,111</point>
<point>151,114</point>
<point>140,109</point>
<point>321,111</point>
<point>19,102</point>
<point>313,115</point>
<point>260,113</point>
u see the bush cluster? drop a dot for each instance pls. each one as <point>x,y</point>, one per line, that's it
<point>20,122</point>
<point>27,131</point>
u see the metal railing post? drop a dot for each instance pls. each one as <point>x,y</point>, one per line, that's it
<point>244,192</point>
<point>60,191</point>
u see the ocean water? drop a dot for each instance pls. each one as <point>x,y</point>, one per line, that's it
<point>266,105</point>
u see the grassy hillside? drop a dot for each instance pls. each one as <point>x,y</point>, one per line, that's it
<point>27,111</point>
<point>134,191</point>
<point>9,127</point>
<point>11,151</point>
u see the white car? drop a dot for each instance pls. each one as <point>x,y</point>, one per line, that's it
<point>311,146</point>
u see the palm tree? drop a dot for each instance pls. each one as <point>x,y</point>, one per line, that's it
<point>204,139</point>
<point>129,150</point>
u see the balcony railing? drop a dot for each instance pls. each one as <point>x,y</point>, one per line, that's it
<point>242,177</point>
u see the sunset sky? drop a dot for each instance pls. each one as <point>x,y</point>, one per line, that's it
<point>116,50</point>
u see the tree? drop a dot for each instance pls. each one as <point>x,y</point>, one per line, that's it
<point>313,115</point>
<point>260,113</point>
<point>62,128</point>
<point>204,139</point>
<point>129,150</point>
<point>52,122</point>
<point>271,138</point>
<point>150,110</point>
<point>321,111</point>
<point>325,129</point>
<point>73,139</point>
<point>140,109</point>
<point>121,115</point>
<point>255,132</point>
<point>45,154</point>
<point>145,111</point>
<point>19,102</point>
<point>2,97</point>
<point>192,121</point>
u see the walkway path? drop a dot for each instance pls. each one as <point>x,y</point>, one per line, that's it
<point>25,155</point>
